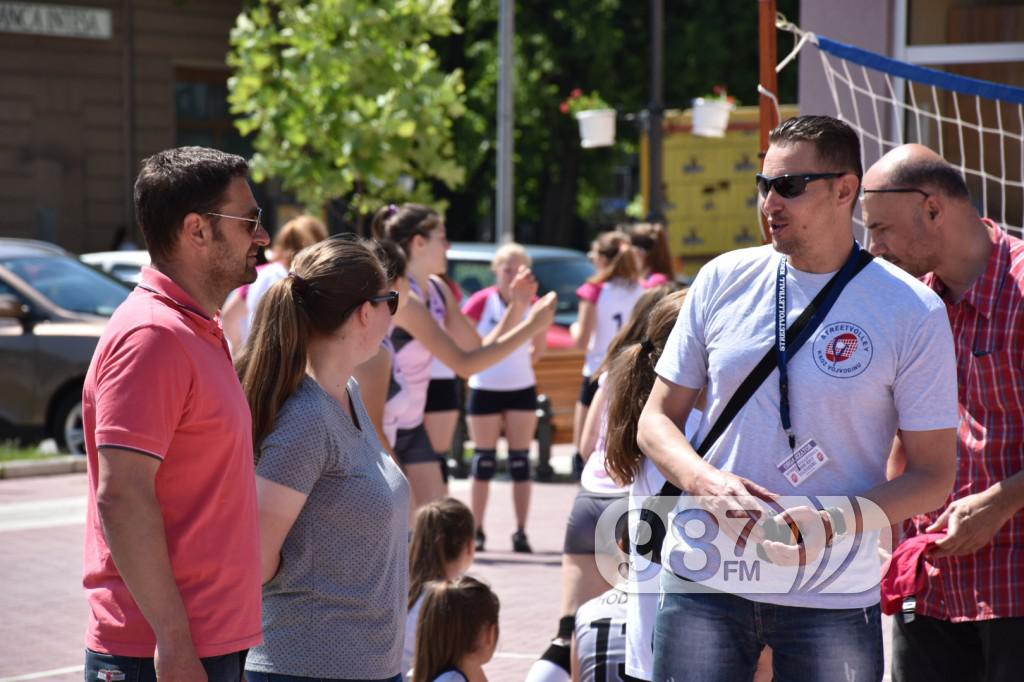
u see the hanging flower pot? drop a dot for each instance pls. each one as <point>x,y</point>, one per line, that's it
<point>597,128</point>
<point>711,113</point>
<point>710,117</point>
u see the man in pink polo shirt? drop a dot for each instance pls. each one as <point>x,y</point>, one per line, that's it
<point>172,536</point>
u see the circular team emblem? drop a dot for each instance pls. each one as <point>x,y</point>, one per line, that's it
<point>842,350</point>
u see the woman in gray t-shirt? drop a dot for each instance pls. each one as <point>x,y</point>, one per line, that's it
<point>333,505</point>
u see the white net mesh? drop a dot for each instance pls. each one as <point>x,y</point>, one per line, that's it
<point>975,125</point>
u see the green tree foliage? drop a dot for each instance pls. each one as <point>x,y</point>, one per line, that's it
<point>346,98</point>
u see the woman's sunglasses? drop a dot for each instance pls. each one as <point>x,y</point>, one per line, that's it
<point>789,186</point>
<point>391,298</point>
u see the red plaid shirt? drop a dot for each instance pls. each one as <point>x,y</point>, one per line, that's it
<point>988,331</point>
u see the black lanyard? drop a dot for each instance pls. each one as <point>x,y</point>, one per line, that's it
<point>841,279</point>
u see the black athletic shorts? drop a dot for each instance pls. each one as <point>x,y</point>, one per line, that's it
<point>412,446</point>
<point>444,395</point>
<point>482,401</point>
<point>587,391</point>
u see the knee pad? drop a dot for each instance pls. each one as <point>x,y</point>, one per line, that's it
<point>484,465</point>
<point>519,465</point>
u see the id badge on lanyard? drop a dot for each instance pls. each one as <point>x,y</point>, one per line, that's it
<point>807,457</point>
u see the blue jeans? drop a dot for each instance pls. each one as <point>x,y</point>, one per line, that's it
<point>111,668</point>
<point>251,676</point>
<point>711,636</point>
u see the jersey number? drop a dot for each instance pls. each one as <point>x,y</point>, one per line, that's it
<point>618,320</point>
<point>603,627</point>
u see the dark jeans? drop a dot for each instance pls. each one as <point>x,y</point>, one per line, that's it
<point>981,651</point>
<point>110,668</point>
<point>251,676</point>
<point>712,637</point>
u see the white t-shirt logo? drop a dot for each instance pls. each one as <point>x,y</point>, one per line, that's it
<point>842,350</point>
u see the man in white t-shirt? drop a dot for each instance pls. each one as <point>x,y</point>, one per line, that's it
<point>879,365</point>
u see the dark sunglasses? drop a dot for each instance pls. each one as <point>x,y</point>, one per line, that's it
<point>789,186</point>
<point>391,298</point>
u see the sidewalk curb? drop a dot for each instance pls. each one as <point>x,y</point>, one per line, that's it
<point>61,464</point>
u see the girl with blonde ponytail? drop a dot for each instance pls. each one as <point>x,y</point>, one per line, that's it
<point>441,549</point>
<point>333,506</point>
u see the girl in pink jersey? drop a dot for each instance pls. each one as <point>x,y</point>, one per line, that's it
<point>606,302</point>
<point>504,397</point>
<point>431,325</point>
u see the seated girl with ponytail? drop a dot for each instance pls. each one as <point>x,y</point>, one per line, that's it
<point>333,505</point>
<point>442,549</point>
<point>457,632</point>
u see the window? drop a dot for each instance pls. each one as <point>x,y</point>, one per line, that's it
<point>202,112</point>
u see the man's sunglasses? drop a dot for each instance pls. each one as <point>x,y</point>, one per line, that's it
<point>789,186</point>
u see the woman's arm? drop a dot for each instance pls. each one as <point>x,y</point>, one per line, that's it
<point>592,425</point>
<point>416,319</point>
<point>583,328</point>
<point>279,507</point>
<point>374,377</point>
<point>456,323</point>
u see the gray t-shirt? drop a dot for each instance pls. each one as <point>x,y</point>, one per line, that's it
<point>882,360</point>
<point>336,607</point>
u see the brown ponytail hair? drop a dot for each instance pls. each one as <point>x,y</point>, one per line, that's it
<point>401,223</point>
<point>636,328</point>
<point>391,258</point>
<point>327,283</point>
<point>632,378</point>
<point>442,531</point>
<point>453,616</point>
<point>653,241</point>
<point>616,249</point>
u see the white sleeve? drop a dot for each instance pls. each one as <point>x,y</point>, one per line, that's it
<point>925,388</point>
<point>685,359</point>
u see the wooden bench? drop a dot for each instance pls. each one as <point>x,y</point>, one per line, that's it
<point>559,375</point>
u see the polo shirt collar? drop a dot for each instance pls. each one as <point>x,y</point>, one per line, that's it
<point>156,282</point>
<point>982,294</point>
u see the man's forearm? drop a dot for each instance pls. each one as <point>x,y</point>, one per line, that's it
<point>134,530</point>
<point>1009,493</point>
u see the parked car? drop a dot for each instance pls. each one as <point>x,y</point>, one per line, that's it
<point>124,265</point>
<point>53,309</point>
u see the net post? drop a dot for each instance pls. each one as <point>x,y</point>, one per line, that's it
<point>768,56</point>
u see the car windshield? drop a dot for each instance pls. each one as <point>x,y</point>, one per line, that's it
<point>561,275</point>
<point>70,284</point>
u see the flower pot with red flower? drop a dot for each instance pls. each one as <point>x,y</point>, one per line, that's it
<point>596,119</point>
<point>711,113</point>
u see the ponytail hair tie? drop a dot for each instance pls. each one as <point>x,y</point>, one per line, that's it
<point>647,346</point>
<point>392,210</point>
<point>299,284</point>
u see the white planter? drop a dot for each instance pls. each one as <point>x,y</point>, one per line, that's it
<point>597,128</point>
<point>711,117</point>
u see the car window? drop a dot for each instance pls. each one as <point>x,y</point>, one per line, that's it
<point>130,274</point>
<point>563,276</point>
<point>70,284</point>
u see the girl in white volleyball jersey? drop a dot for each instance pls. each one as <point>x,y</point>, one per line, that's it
<point>606,302</point>
<point>504,396</point>
<point>420,334</point>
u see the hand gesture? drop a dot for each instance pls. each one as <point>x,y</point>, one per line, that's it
<point>970,522</point>
<point>810,525</point>
<point>524,287</point>
<point>542,314</point>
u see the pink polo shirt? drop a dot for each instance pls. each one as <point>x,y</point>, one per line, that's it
<point>161,383</point>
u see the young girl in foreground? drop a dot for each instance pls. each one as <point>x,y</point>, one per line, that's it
<point>458,632</point>
<point>442,549</point>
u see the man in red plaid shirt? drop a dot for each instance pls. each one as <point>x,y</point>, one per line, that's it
<point>969,620</point>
